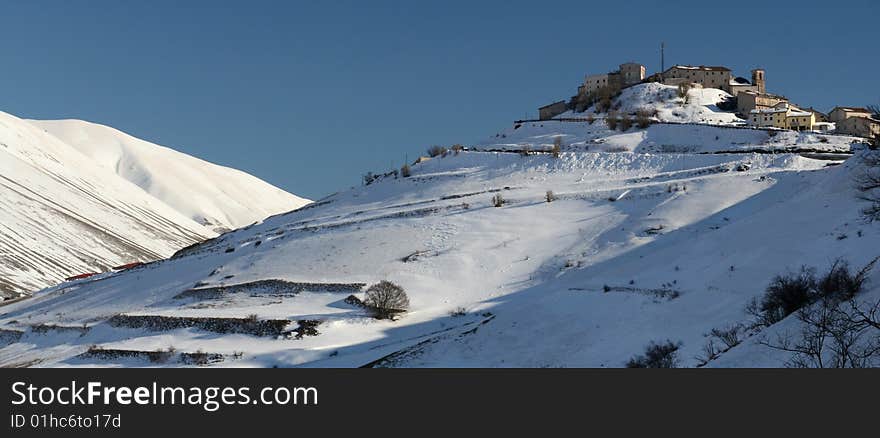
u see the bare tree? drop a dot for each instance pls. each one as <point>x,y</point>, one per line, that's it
<point>835,330</point>
<point>611,120</point>
<point>557,146</point>
<point>868,183</point>
<point>662,355</point>
<point>683,89</point>
<point>831,336</point>
<point>386,299</point>
<point>435,151</point>
<point>497,200</point>
<point>643,117</point>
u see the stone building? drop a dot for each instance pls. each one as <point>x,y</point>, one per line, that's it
<point>747,101</point>
<point>759,81</point>
<point>707,76</point>
<point>548,112</point>
<point>631,73</point>
<point>799,120</point>
<point>739,85</point>
<point>626,75</point>
<point>841,113</point>
<point>782,116</point>
<point>773,117</point>
<point>593,83</point>
<point>867,127</point>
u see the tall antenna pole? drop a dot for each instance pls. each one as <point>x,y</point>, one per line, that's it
<point>662,59</point>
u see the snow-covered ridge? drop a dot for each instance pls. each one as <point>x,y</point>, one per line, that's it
<point>89,198</point>
<point>218,197</point>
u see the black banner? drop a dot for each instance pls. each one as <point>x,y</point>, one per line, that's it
<point>226,402</point>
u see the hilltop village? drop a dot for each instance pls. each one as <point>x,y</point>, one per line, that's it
<point>748,98</point>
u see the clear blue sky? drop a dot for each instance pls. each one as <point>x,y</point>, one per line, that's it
<point>311,95</point>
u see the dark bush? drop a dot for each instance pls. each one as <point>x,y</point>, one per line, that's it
<point>663,355</point>
<point>435,151</point>
<point>839,284</point>
<point>369,178</point>
<point>643,117</point>
<point>458,312</point>
<point>730,336</point>
<point>683,89</point>
<point>550,196</point>
<point>497,200</point>
<point>386,299</point>
<point>557,146</point>
<point>405,171</point>
<point>868,183</point>
<point>785,295</point>
<point>611,120</point>
<point>791,292</point>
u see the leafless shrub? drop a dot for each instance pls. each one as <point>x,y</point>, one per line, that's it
<point>868,183</point>
<point>831,336</point>
<point>458,312</point>
<point>557,146</point>
<point>497,200</point>
<point>785,295</point>
<point>405,171</point>
<point>550,196</point>
<point>386,299</point>
<point>603,99</point>
<point>729,336</point>
<point>662,355</point>
<point>683,89</point>
<point>435,151</point>
<point>162,356</point>
<point>835,330</point>
<point>611,120</point>
<point>625,123</point>
<point>643,117</point>
<point>710,353</point>
<point>369,178</point>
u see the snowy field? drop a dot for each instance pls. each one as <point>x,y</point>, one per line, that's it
<point>530,276</point>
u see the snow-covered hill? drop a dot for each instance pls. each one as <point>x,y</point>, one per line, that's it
<point>65,210</point>
<point>218,197</point>
<point>701,105</point>
<point>652,234</point>
<point>520,285</point>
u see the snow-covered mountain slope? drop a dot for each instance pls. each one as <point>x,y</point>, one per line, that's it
<point>635,247</point>
<point>218,197</point>
<point>64,212</point>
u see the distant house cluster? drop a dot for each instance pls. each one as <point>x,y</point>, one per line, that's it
<point>855,121</point>
<point>753,103</point>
